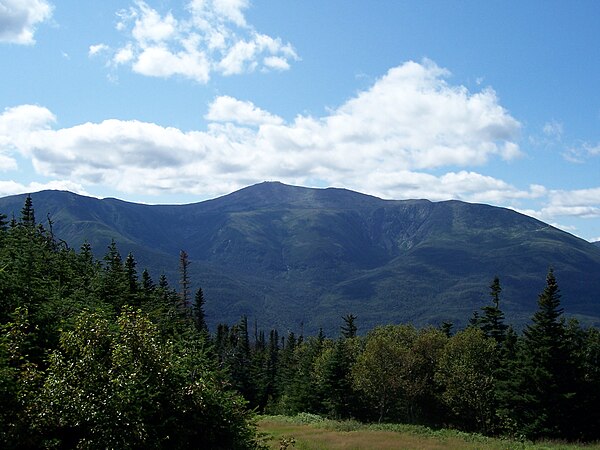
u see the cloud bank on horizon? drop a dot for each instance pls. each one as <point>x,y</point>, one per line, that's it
<point>410,134</point>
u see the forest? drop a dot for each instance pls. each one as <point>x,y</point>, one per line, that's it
<point>95,354</point>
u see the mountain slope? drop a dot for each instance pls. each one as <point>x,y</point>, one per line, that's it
<point>296,257</point>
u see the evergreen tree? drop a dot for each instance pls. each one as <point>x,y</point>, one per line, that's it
<point>334,366</point>
<point>199,315</point>
<point>544,387</point>
<point>184,280</point>
<point>147,288</point>
<point>238,359</point>
<point>132,277</point>
<point>27,213</point>
<point>446,328</point>
<point>3,222</point>
<point>492,321</point>
<point>114,285</point>
<point>586,420</point>
<point>349,328</point>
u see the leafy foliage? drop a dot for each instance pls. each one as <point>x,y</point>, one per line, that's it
<point>92,358</point>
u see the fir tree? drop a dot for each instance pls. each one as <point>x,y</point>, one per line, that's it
<point>349,327</point>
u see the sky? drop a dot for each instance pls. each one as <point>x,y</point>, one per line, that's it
<point>160,101</point>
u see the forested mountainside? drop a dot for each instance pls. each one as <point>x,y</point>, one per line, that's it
<point>96,354</point>
<point>299,258</point>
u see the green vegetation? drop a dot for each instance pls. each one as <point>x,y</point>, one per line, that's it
<point>92,358</point>
<point>309,432</point>
<point>93,355</point>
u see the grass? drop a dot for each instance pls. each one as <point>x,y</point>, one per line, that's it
<point>311,432</point>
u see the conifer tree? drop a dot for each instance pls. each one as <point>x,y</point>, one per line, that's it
<point>349,327</point>
<point>492,321</point>
<point>199,315</point>
<point>114,283</point>
<point>3,222</point>
<point>132,277</point>
<point>545,378</point>
<point>184,280</point>
<point>27,213</point>
<point>147,283</point>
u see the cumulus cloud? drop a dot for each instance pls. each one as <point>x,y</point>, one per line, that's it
<point>229,109</point>
<point>19,19</point>
<point>213,37</point>
<point>16,124</point>
<point>383,141</point>
<point>579,202</point>
<point>13,188</point>
<point>98,48</point>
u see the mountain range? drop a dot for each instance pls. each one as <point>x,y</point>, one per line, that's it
<point>298,258</point>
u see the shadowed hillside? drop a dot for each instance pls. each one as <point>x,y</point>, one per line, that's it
<point>295,257</point>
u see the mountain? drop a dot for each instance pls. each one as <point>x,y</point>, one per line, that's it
<point>299,258</point>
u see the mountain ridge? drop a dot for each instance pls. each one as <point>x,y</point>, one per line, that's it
<point>296,257</point>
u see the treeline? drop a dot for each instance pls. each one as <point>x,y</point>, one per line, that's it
<point>94,354</point>
<point>543,383</point>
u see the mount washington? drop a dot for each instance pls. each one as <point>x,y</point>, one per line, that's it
<point>298,258</point>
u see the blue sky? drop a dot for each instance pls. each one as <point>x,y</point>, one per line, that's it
<point>179,101</point>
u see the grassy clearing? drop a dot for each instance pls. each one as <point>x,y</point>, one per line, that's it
<point>312,432</point>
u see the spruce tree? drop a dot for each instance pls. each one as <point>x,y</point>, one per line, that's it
<point>27,213</point>
<point>184,280</point>
<point>349,328</point>
<point>492,321</point>
<point>199,315</point>
<point>545,376</point>
<point>132,277</point>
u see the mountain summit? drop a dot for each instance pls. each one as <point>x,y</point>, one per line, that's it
<point>299,258</point>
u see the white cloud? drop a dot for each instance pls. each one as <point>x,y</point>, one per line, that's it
<point>13,188</point>
<point>19,18</point>
<point>96,49</point>
<point>214,37</point>
<point>7,163</point>
<point>229,109</point>
<point>16,125</point>
<point>382,141</point>
<point>581,152</point>
<point>161,62</point>
<point>579,202</point>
